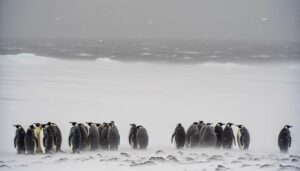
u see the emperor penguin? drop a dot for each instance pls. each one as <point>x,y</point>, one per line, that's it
<point>30,140</point>
<point>180,136</point>
<point>200,125</point>
<point>142,137</point>
<point>219,133</point>
<point>84,137</point>
<point>48,139</point>
<point>100,127</point>
<point>228,136</point>
<point>93,136</point>
<point>38,131</point>
<point>75,138</point>
<point>208,137</point>
<point>19,139</point>
<point>132,136</point>
<point>113,136</point>
<point>57,137</point>
<point>192,135</point>
<point>285,139</point>
<point>103,137</point>
<point>243,137</point>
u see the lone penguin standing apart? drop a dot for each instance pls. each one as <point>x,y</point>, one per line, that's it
<point>142,137</point>
<point>37,130</point>
<point>132,136</point>
<point>243,137</point>
<point>113,136</point>
<point>48,140</point>
<point>93,137</point>
<point>228,136</point>
<point>179,135</point>
<point>30,140</point>
<point>219,134</point>
<point>192,135</point>
<point>75,138</point>
<point>19,139</point>
<point>284,139</point>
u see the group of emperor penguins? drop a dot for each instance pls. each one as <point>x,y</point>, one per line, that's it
<point>39,138</point>
<point>201,134</point>
<point>47,138</point>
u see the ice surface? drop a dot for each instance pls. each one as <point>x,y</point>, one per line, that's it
<point>158,96</point>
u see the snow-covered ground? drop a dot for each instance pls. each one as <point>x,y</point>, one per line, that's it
<point>263,97</point>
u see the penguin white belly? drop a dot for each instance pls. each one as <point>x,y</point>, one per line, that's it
<point>241,146</point>
<point>41,140</point>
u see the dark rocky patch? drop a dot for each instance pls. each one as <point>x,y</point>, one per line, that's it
<point>221,167</point>
<point>61,160</point>
<point>246,165</point>
<point>288,167</point>
<point>295,160</point>
<point>4,166</point>
<point>236,162</point>
<point>189,159</point>
<point>109,159</point>
<point>294,156</point>
<point>266,166</point>
<point>159,159</point>
<point>125,154</point>
<point>215,158</point>
<point>146,163</point>
<point>172,158</point>
<point>160,152</point>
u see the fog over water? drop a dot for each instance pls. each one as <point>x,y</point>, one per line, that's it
<point>255,20</point>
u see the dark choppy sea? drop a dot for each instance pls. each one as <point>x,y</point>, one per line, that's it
<point>184,51</point>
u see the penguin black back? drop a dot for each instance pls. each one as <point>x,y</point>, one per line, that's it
<point>243,137</point>
<point>75,138</point>
<point>30,140</point>
<point>284,139</point>
<point>48,139</point>
<point>179,135</point>
<point>19,139</point>
<point>142,137</point>
<point>103,137</point>
<point>113,137</point>
<point>132,136</point>
<point>228,137</point>
<point>219,134</point>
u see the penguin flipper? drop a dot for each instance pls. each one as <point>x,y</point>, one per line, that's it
<point>290,141</point>
<point>173,137</point>
<point>44,141</point>
<point>15,141</point>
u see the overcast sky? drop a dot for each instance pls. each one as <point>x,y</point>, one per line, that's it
<point>154,19</point>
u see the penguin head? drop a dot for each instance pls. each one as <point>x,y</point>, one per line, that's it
<point>43,125</point>
<point>201,122</point>
<point>97,124</point>
<point>31,127</point>
<point>89,123</point>
<point>17,126</point>
<point>220,124</point>
<point>288,126</point>
<point>50,124</point>
<point>112,122</point>
<point>195,123</point>
<point>208,124</point>
<point>140,126</point>
<point>229,124</point>
<point>239,126</point>
<point>37,124</point>
<point>132,125</point>
<point>73,123</point>
<point>179,125</point>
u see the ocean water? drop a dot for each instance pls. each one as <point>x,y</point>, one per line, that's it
<point>154,51</point>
